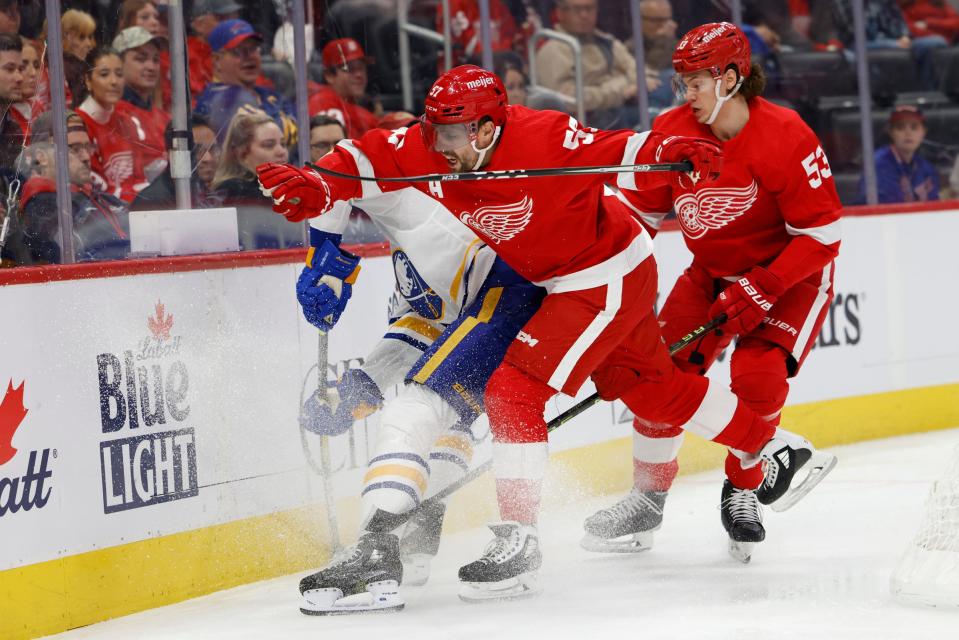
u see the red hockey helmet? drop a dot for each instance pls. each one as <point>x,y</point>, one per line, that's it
<point>462,96</point>
<point>713,47</point>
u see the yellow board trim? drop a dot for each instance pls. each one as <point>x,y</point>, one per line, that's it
<point>486,312</point>
<point>74,591</point>
<point>458,278</point>
<point>397,470</point>
<point>419,326</point>
<point>460,444</point>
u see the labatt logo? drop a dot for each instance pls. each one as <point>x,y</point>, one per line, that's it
<point>141,391</point>
<point>25,490</point>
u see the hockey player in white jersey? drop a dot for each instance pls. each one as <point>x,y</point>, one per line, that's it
<point>456,310</point>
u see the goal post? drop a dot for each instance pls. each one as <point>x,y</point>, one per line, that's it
<point>928,572</point>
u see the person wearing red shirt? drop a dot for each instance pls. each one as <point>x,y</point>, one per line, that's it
<point>140,53</point>
<point>764,238</point>
<point>117,169</point>
<point>344,73</point>
<point>465,28</point>
<point>590,253</point>
<point>931,18</point>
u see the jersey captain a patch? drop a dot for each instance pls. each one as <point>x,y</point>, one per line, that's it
<point>713,208</point>
<point>500,222</point>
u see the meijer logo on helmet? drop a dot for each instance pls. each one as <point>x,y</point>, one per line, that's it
<point>479,84</point>
<point>718,31</point>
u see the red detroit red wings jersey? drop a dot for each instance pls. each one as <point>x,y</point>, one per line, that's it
<point>776,186</point>
<point>542,227</point>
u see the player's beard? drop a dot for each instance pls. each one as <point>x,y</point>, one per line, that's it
<point>455,163</point>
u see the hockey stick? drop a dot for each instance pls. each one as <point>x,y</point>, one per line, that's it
<point>570,413</point>
<point>674,348</point>
<point>684,166</point>
<point>324,469</point>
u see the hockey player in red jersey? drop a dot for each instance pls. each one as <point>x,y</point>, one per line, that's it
<point>763,238</point>
<point>589,252</point>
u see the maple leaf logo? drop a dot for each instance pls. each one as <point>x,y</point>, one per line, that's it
<point>160,324</point>
<point>12,413</point>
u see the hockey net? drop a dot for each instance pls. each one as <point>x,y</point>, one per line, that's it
<point>928,573</point>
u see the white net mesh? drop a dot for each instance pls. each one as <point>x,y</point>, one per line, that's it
<point>929,571</point>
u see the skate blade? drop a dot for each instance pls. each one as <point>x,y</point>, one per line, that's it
<point>741,551</point>
<point>632,543</point>
<point>380,597</point>
<point>518,588</point>
<point>818,467</point>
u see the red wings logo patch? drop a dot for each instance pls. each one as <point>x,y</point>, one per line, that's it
<point>707,209</point>
<point>500,222</point>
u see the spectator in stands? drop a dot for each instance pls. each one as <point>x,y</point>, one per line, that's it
<point>207,14</point>
<point>931,18</point>
<point>161,193</point>
<point>325,132</point>
<point>465,28</point>
<point>236,67</point>
<point>13,125</point>
<point>902,175</point>
<point>253,139</point>
<point>33,80</point>
<point>112,131</point>
<point>77,28</point>
<point>659,42</point>
<point>10,16</point>
<point>100,222</point>
<point>344,76</point>
<point>146,14</point>
<point>140,13</point>
<point>609,70</point>
<point>509,66</point>
<point>886,29</point>
<point>140,53</point>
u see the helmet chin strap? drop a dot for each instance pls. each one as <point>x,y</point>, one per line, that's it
<point>721,100</point>
<point>482,152</point>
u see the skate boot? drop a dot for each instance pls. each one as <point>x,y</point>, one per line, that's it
<point>507,570</point>
<point>742,519</point>
<point>782,458</point>
<point>421,542</point>
<point>627,526</point>
<point>362,578</point>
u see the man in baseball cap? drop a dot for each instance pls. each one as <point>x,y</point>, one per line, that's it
<point>902,174</point>
<point>236,68</point>
<point>140,53</point>
<point>344,75</point>
<point>204,17</point>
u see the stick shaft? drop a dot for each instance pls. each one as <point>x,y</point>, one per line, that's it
<point>504,174</point>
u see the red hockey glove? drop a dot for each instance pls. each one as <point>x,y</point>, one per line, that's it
<point>705,155</point>
<point>747,301</point>
<point>297,193</point>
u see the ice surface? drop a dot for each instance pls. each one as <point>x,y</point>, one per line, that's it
<point>822,572</point>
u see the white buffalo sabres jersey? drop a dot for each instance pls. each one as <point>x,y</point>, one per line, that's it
<point>439,263</point>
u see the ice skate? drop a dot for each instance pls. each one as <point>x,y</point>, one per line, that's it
<point>627,526</point>
<point>421,542</point>
<point>742,519</point>
<point>362,578</point>
<point>783,457</point>
<point>508,568</point>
